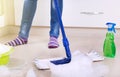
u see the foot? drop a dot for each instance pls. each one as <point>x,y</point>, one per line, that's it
<point>17,41</point>
<point>53,43</point>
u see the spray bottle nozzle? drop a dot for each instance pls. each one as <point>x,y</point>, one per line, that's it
<point>111,26</point>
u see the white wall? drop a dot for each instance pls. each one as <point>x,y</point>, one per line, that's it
<point>77,13</point>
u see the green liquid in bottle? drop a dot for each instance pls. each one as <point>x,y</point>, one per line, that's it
<point>109,47</point>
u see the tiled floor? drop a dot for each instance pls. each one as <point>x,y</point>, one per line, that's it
<point>83,39</point>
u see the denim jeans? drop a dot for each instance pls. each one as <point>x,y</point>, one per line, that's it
<point>29,10</point>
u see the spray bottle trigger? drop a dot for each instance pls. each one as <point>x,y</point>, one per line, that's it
<point>111,26</point>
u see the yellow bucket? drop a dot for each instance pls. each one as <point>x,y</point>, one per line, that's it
<point>5,56</point>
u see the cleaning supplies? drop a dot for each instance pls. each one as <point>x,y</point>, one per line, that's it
<point>44,64</point>
<point>65,40</point>
<point>109,48</point>
<point>5,52</point>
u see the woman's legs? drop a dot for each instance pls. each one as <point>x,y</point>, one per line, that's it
<point>54,25</point>
<point>29,9</point>
<point>27,17</point>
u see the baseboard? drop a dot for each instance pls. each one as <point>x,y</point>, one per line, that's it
<point>3,31</point>
<point>8,30</point>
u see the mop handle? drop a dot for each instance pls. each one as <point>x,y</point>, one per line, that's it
<point>65,40</point>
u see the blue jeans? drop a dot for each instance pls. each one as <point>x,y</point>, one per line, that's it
<point>29,10</point>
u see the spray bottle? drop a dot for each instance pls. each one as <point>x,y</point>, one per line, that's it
<point>109,48</point>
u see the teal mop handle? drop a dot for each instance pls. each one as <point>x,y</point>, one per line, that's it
<point>65,40</point>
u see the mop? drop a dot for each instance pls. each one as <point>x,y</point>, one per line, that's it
<point>93,55</point>
<point>45,63</point>
<point>65,41</point>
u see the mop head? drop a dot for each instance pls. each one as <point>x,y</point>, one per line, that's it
<point>81,65</point>
<point>44,64</point>
<point>5,52</point>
